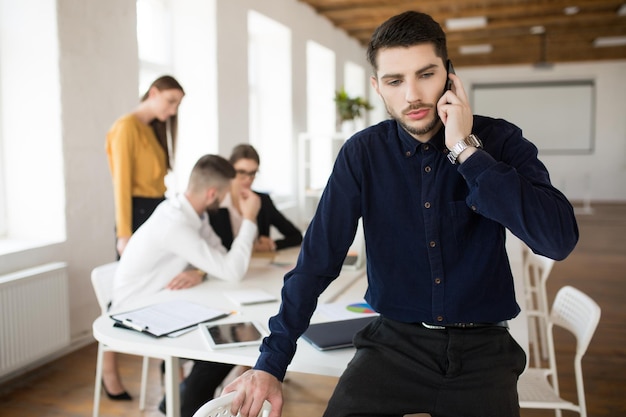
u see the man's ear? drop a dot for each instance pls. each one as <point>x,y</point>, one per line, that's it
<point>374,83</point>
<point>211,194</point>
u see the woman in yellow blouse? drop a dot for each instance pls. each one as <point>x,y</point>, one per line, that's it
<point>139,155</point>
<point>139,147</point>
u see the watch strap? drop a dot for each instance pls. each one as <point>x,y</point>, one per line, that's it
<point>469,141</point>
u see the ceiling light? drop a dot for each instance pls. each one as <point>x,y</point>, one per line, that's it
<point>476,49</point>
<point>608,41</point>
<point>537,30</point>
<point>571,10</point>
<point>622,10</point>
<point>466,23</point>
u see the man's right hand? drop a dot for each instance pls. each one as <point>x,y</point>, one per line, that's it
<point>253,387</point>
<point>249,204</point>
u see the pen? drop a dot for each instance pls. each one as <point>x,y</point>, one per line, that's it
<point>129,323</point>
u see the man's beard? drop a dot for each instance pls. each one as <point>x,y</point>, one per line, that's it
<point>418,132</point>
<point>412,130</point>
<point>213,207</point>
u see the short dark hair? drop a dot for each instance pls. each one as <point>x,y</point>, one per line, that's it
<point>407,29</point>
<point>244,151</point>
<point>211,171</point>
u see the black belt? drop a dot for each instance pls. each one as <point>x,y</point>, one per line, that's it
<point>504,324</point>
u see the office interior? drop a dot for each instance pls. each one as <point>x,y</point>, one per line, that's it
<point>69,68</point>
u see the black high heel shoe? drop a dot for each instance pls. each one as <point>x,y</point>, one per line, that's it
<point>124,396</point>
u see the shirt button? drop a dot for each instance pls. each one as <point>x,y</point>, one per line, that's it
<point>408,153</point>
<point>427,169</point>
<point>432,244</point>
<point>426,147</point>
<point>474,208</point>
<point>427,204</point>
<point>437,281</point>
<point>439,319</point>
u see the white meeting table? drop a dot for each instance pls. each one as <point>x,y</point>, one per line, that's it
<point>261,274</point>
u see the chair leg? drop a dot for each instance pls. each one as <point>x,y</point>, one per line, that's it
<point>98,385</point>
<point>533,339</point>
<point>542,301</point>
<point>144,382</point>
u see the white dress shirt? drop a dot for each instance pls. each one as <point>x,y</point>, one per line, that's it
<point>236,219</point>
<point>172,239</point>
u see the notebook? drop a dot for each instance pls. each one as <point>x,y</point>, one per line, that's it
<point>335,334</point>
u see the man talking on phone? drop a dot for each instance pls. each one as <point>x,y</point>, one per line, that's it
<point>436,187</point>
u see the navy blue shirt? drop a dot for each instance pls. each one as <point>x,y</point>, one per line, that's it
<point>434,231</point>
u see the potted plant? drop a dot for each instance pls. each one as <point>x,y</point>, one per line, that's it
<point>349,108</point>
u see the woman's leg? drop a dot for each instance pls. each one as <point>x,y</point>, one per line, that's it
<point>110,375</point>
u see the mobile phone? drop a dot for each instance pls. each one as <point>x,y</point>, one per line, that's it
<point>450,71</point>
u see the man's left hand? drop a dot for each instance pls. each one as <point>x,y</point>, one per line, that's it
<point>186,279</point>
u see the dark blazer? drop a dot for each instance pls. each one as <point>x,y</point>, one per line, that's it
<point>268,216</point>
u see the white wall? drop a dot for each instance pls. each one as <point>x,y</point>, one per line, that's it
<point>600,175</point>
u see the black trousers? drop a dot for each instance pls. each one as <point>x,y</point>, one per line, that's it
<point>200,385</point>
<point>402,368</point>
<point>142,209</point>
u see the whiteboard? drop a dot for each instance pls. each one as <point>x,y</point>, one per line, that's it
<point>557,116</point>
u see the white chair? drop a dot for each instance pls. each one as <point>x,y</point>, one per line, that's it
<point>537,269</point>
<point>102,281</point>
<point>220,407</point>
<point>576,312</point>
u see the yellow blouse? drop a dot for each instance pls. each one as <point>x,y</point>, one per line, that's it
<point>138,167</point>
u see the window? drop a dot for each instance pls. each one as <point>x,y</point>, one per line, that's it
<point>270,97</point>
<point>30,106</point>
<point>154,32</point>
<point>321,111</point>
<point>354,83</point>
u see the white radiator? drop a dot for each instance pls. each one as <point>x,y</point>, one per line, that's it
<point>34,315</point>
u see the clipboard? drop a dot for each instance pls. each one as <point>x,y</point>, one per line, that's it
<point>163,319</point>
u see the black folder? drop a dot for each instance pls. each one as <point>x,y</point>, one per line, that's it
<point>335,334</point>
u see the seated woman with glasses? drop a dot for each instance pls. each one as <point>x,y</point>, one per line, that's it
<point>227,220</point>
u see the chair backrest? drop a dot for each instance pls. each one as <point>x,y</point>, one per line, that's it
<point>220,407</point>
<point>577,312</point>
<point>102,282</point>
<point>538,267</point>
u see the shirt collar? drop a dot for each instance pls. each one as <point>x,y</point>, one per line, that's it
<point>410,145</point>
<point>188,210</point>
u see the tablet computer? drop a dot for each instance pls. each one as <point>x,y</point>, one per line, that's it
<point>226,335</point>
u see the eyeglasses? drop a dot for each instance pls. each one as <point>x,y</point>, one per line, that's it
<point>243,173</point>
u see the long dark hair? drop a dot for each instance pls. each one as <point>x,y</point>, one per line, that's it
<point>165,82</point>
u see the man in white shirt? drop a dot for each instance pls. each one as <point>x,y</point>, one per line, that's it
<point>175,248</point>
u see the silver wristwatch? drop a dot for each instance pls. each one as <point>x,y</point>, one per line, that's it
<point>471,140</point>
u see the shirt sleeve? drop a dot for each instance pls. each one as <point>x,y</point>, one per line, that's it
<point>207,253</point>
<point>510,185</point>
<point>120,150</point>
<point>324,248</point>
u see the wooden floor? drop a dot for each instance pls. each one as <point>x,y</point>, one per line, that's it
<point>597,266</point>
